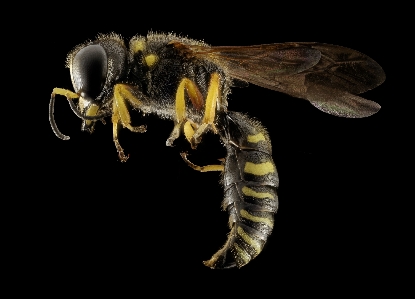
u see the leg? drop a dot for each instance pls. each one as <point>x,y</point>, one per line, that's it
<point>115,122</point>
<point>121,95</point>
<point>212,101</point>
<point>193,132</point>
<point>202,168</point>
<point>197,101</point>
<point>120,115</point>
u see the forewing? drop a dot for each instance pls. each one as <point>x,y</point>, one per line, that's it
<point>266,62</point>
<point>328,76</point>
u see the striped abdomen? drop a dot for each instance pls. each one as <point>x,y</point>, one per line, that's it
<point>250,180</point>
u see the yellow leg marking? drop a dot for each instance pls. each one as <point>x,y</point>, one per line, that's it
<point>197,101</point>
<point>122,94</point>
<point>248,216</point>
<point>202,168</point>
<point>188,131</point>
<point>252,242</point>
<point>196,98</point>
<point>121,115</point>
<point>115,122</point>
<point>194,94</point>
<point>259,169</point>
<point>249,192</point>
<point>180,102</point>
<point>242,254</point>
<point>173,135</point>
<point>212,99</point>
<point>180,108</point>
<point>256,138</point>
<point>64,92</point>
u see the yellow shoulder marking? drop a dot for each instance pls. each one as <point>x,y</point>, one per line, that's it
<point>252,242</point>
<point>138,45</point>
<point>242,254</point>
<point>248,216</point>
<point>259,169</point>
<point>256,138</point>
<point>249,192</point>
<point>151,59</point>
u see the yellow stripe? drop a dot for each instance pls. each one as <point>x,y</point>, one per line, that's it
<point>249,192</point>
<point>248,216</point>
<point>256,138</point>
<point>151,59</point>
<point>242,254</point>
<point>259,169</point>
<point>254,243</point>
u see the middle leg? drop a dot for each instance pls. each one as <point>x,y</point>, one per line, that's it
<point>193,131</point>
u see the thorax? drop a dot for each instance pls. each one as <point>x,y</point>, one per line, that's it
<point>157,68</point>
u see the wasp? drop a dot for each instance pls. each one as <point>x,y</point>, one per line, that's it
<point>188,82</point>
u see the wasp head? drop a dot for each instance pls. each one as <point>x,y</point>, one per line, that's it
<point>95,68</point>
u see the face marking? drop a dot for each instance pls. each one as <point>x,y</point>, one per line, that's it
<point>90,111</point>
<point>256,138</point>
<point>249,192</point>
<point>242,254</point>
<point>252,242</point>
<point>248,216</point>
<point>259,169</point>
<point>151,59</point>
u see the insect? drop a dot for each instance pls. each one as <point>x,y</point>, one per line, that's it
<point>188,82</point>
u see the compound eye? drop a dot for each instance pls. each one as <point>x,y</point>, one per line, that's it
<point>89,71</point>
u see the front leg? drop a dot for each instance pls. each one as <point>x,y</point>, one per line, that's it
<point>120,115</point>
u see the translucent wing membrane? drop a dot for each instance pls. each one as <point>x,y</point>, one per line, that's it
<point>262,61</point>
<point>328,76</point>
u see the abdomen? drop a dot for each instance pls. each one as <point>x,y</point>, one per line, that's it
<point>250,180</point>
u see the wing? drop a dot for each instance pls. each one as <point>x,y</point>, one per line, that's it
<point>329,76</point>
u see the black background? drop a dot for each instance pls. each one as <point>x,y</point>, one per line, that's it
<point>98,216</point>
